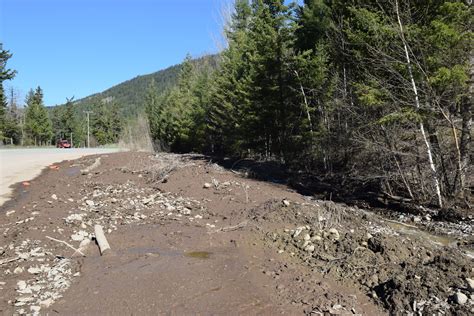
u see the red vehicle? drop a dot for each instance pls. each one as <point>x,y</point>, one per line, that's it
<point>63,143</point>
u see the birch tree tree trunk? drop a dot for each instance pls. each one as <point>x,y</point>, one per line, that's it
<point>466,114</point>
<point>417,104</point>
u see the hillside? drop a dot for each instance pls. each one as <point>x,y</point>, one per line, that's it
<point>130,94</point>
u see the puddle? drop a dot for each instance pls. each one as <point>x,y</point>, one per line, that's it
<point>198,254</point>
<point>169,253</point>
<point>434,239</point>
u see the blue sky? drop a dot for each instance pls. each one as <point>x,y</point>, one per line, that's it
<point>79,47</point>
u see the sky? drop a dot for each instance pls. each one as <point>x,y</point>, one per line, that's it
<point>80,47</point>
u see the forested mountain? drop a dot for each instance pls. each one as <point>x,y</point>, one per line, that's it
<point>130,95</point>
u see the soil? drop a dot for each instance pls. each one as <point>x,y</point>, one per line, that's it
<point>188,236</point>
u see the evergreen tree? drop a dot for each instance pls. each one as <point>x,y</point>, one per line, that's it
<point>5,74</point>
<point>37,122</point>
<point>106,123</point>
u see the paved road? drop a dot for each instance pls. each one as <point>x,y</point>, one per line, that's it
<point>26,163</point>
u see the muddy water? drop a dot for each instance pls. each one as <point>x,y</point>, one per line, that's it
<point>443,241</point>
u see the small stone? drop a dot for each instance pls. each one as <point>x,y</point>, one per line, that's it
<point>18,270</point>
<point>309,248</point>
<point>286,202</point>
<point>35,309</point>
<point>416,219</point>
<point>34,270</point>
<point>460,298</point>
<point>306,237</point>
<point>90,203</point>
<point>470,284</point>
<point>369,236</point>
<point>334,234</point>
<point>77,237</point>
<point>297,232</point>
<point>46,303</point>
<point>207,185</point>
<point>9,212</point>
<point>21,285</point>
<point>54,197</point>
<point>281,251</point>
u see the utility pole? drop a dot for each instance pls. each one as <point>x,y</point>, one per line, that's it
<point>88,130</point>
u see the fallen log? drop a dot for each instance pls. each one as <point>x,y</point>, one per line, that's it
<point>101,240</point>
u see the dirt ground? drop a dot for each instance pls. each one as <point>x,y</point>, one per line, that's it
<point>190,237</point>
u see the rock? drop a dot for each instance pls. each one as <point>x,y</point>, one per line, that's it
<point>77,237</point>
<point>316,238</point>
<point>333,234</point>
<point>54,197</point>
<point>35,309</point>
<point>304,244</point>
<point>369,236</point>
<point>90,203</point>
<point>207,185</point>
<point>460,298</point>
<point>470,284</point>
<point>298,231</point>
<point>416,219</point>
<point>306,237</point>
<point>46,303</point>
<point>286,202</point>
<point>21,285</point>
<point>34,270</point>
<point>18,270</point>
<point>9,212</point>
<point>309,248</point>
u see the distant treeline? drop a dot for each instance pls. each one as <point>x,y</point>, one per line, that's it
<point>378,91</point>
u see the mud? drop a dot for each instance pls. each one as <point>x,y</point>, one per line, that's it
<point>190,237</point>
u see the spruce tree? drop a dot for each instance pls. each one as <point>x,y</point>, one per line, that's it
<point>5,74</point>
<point>37,122</point>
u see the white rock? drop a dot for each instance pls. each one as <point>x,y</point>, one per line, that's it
<point>35,309</point>
<point>470,284</point>
<point>90,202</point>
<point>286,202</point>
<point>9,212</point>
<point>46,303</point>
<point>309,248</point>
<point>306,237</point>
<point>18,270</point>
<point>316,238</point>
<point>54,197</point>
<point>416,219</point>
<point>369,236</point>
<point>460,298</point>
<point>207,185</point>
<point>34,270</point>
<point>298,232</point>
<point>77,237</point>
<point>21,285</point>
<point>334,234</point>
